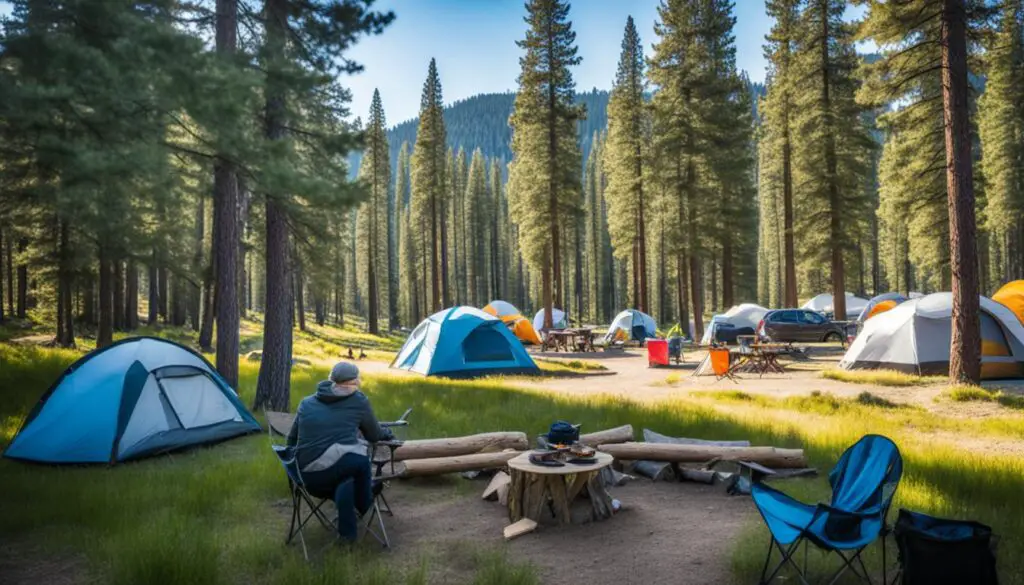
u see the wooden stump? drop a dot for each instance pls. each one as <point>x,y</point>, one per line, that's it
<point>531,495</point>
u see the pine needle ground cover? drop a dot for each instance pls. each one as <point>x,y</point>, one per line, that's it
<point>214,515</point>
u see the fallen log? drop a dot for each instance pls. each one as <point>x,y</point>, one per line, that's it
<point>656,470</point>
<point>773,457</point>
<point>608,436</point>
<point>442,465</point>
<point>454,446</point>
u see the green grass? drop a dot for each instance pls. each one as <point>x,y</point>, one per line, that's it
<point>880,377</point>
<point>979,394</point>
<point>568,366</point>
<point>215,516</point>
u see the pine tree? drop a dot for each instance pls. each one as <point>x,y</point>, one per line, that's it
<point>1001,128</point>
<point>544,176</point>
<point>429,185</point>
<point>778,107</point>
<point>833,151</point>
<point>404,242</point>
<point>372,223</point>
<point>625,158</point>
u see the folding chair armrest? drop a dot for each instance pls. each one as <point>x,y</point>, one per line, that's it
<point>873,512</point>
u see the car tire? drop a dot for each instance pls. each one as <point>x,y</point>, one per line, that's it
<point>832,337</point>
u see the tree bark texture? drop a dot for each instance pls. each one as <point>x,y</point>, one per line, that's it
<point>225,233</point>
<point>154,288</point>
<point>838,271</point>
<point>117,268</point>
<point>273,385</point>
<point>105,332</point>
<point>965,345</point>
<point>131,301</point>
<point>22,279</point>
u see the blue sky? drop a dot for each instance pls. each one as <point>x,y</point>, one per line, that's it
<point>474,44</point>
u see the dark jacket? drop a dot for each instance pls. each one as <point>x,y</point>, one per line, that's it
<point>326,418</point>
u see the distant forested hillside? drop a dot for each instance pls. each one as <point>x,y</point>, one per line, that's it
<point>481,122</point>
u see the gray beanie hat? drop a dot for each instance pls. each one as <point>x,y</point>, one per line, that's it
<point>343,372</point>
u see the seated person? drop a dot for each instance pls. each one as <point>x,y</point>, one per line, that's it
<point>330,453</point>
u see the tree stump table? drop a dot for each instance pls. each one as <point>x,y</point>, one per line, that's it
<point>536,488</point>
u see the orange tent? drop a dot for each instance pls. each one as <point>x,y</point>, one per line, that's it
<point>519,325</point>
<point>881,308</point>
<point>1011,296</point>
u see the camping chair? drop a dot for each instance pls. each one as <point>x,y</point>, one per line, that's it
<point>863,483</point>
<point>721,363</point>
<point>314,502</point>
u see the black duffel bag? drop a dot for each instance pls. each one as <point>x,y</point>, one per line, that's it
<point>937,551</point>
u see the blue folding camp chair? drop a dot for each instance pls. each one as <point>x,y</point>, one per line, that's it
<point>863,483</point>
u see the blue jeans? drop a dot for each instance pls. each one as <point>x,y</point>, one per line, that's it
<point>348,482</point>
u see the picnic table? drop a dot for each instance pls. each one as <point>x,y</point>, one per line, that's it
<point>537,488</point>
<point>578,340</point>
<point>761,359</point>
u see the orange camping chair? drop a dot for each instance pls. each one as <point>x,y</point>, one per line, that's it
<point>720,363</point>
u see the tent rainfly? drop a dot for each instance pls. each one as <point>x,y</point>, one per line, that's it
<point>514,320</point>
<point>914,337</point>
<point>880,304</point>
<point>463,342</point>
<point>138,397</point>
<point>823,303</point>
<point>631,325</point>
<point>558,320</point>
<point>742,316</point>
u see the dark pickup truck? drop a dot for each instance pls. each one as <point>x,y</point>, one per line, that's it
<point>800,325</point>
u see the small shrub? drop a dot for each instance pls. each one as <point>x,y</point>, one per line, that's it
<point>979,394</point>
<point>869,399</point>
<point>672,379</point>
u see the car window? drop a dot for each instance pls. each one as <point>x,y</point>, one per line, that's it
<point>811,318</point>
<point>784,317</point>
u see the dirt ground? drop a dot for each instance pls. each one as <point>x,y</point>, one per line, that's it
<point>666,532</point>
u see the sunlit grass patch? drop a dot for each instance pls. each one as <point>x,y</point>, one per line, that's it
<point>879,377</point>
<point>979,394</point>
<point>574,366</point>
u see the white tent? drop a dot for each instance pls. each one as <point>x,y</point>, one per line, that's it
<point>558,320</point>
<point>914,337</point>
<point>823,303</point>
<point>739,316</point>
<point>631,325</point>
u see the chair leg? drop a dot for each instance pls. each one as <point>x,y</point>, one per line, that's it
<point>848,564</point>
<point>387,506</point>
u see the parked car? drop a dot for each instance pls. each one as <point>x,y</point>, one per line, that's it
<point>800,325</point>
<point>727,333</point>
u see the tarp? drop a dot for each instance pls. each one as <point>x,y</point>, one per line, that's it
<point>823,303</point>
<point>739,316</point>
<point>558,320</point>
<point>631,325</point>
<point>514,320</point>
<point>914,337</point>
<point>135,398</point>
<point>462,342</point>
<point>880,304</point>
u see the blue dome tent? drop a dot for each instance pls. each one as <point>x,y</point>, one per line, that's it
<point>138,397</point>
<point>462,342</point>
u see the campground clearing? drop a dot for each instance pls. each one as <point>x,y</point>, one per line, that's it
<point>218,515</point>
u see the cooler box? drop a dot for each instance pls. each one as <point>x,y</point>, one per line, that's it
<point>657,352</point>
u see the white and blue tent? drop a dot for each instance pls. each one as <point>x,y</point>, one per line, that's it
<point>460,342</point>
<point>138,397</point>
<point>631,325</point>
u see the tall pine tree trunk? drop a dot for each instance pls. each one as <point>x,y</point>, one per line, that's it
<point>131,301</point>
<point>272,387</point>
<point>697,294</point>
<point>198,262</point>
<point>2,242</point>
<point>22,279</point>
<point>210,303</point>
<point>641,233</point>
<point>154,289</point>
<point>243,285</point>
<point>9,252</point>
<point>225,242</point>
<point>728,299</point>
<point>790,290</point>
<point>435,270</point>
<point>371,259</point>
<point>965,345</point>
<point>835,203</point>
<point>445,290</point>
<point>300,296</point>
<point>225,221</point>
<point>105,333</point>
<point>65,278</point>
<point>117,265</point>
<point>682,291</point>
<point>546,290</point>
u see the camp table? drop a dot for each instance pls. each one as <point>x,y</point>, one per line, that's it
<point>582,339</point>
<point>557,339</point>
